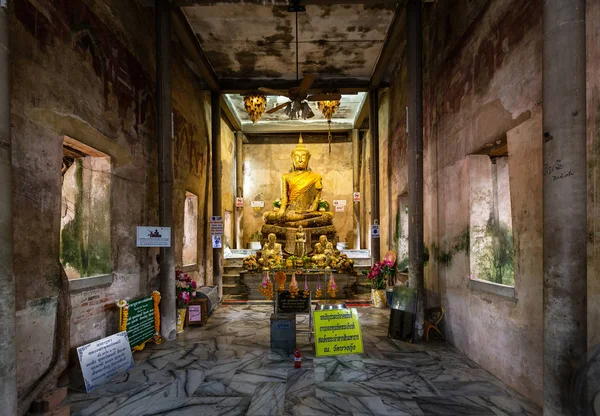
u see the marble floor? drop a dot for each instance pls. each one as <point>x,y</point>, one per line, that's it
<point>227,368</point>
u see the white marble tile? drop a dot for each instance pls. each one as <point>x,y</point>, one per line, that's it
<point>226,367</point>
<point>268,400</point>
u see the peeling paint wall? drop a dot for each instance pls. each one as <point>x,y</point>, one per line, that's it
<point>85,69</point>
<point>482,80</point>
<point>265,163</point>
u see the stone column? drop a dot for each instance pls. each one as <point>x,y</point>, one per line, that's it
<point>374,128</point>
<point>8,380</point>
<point>356,187</point>
<point>239,189</point>
<point>164,107</point>
<point>415,153</point>
<point>565,199</point>
<point>217,203</point>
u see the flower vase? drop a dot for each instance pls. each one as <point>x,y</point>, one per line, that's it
<point>180,319</point>
<point>378,298</point>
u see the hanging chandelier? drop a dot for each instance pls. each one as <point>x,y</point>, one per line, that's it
<point>328,108</point>
<point>255,105</point>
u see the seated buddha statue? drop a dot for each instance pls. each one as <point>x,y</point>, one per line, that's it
<point>300,194</point>
<point>271,250</point>
<point>322,252</point>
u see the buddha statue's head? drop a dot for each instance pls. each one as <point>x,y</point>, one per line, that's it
<point>300,156</point>
<point>271,238</point>
<point>323,240</point>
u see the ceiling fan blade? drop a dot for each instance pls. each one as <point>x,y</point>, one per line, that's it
<point>273,92</point>
<point>279,107</point>
<point>324,97</point>
<point>307,81</point>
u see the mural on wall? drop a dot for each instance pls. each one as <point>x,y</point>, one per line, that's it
<point>189,149</point>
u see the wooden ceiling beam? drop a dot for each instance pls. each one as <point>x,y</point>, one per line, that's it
<point>292,138</point>
<point>229,114</point>
<point>393,41</point>
<point>343,86</point>
<point>183,30</point>
<point>184,3</point>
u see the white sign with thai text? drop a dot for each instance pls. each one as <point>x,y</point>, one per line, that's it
<point>216,224</point>
<point>257,204</point>
<point>102,360</point>
<point>339,202</point>
<point>153,236</point>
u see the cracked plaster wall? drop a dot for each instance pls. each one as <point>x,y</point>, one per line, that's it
<point>87,71</point>
<point>482,79</point>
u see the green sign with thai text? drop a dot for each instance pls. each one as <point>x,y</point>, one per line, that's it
<point>140,321</point>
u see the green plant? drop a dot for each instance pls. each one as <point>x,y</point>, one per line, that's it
<point>257,236</point>
<point>323,204</point>
<point>496,262</point>
<point>277,203</point>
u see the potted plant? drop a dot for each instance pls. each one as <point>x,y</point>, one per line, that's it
<point>185,289</point>
<point>323,205</point>
<point>379,276</point>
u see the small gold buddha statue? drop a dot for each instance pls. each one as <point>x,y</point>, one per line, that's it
<point>322,252</point>
<point>270,250</point>
<point>300,242</point>
<point>300,194</point>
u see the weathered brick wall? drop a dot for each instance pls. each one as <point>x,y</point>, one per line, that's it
<point>86,69</point>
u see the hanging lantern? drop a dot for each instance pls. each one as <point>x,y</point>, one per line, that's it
<point>328,108</point>
<point>255,105</point>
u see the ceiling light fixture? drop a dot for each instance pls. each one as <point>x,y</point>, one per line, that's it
<point>328,108</point>
<point>255,105</point>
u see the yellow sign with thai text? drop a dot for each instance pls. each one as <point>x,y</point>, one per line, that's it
<point>337,332</point>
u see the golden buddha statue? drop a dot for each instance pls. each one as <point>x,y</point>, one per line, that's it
<point>300,194</point>
<point>270,251</point>
<point>323,252</point>
<point>300,242</point>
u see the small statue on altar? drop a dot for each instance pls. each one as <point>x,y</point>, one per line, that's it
<point>300,195</point>
<point>322,253</point>
<point>271,250</point>
<point>300,243</point>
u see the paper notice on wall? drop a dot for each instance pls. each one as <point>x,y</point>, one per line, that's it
<point>217,241</point>
<point>257,204</point>
<point>339,202</point>
<point>375,231</point>
<point>216,225</point>
<point>339,208</point>
<point>239,202</point>
<point>153,236</point>
<point>356,197</point>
